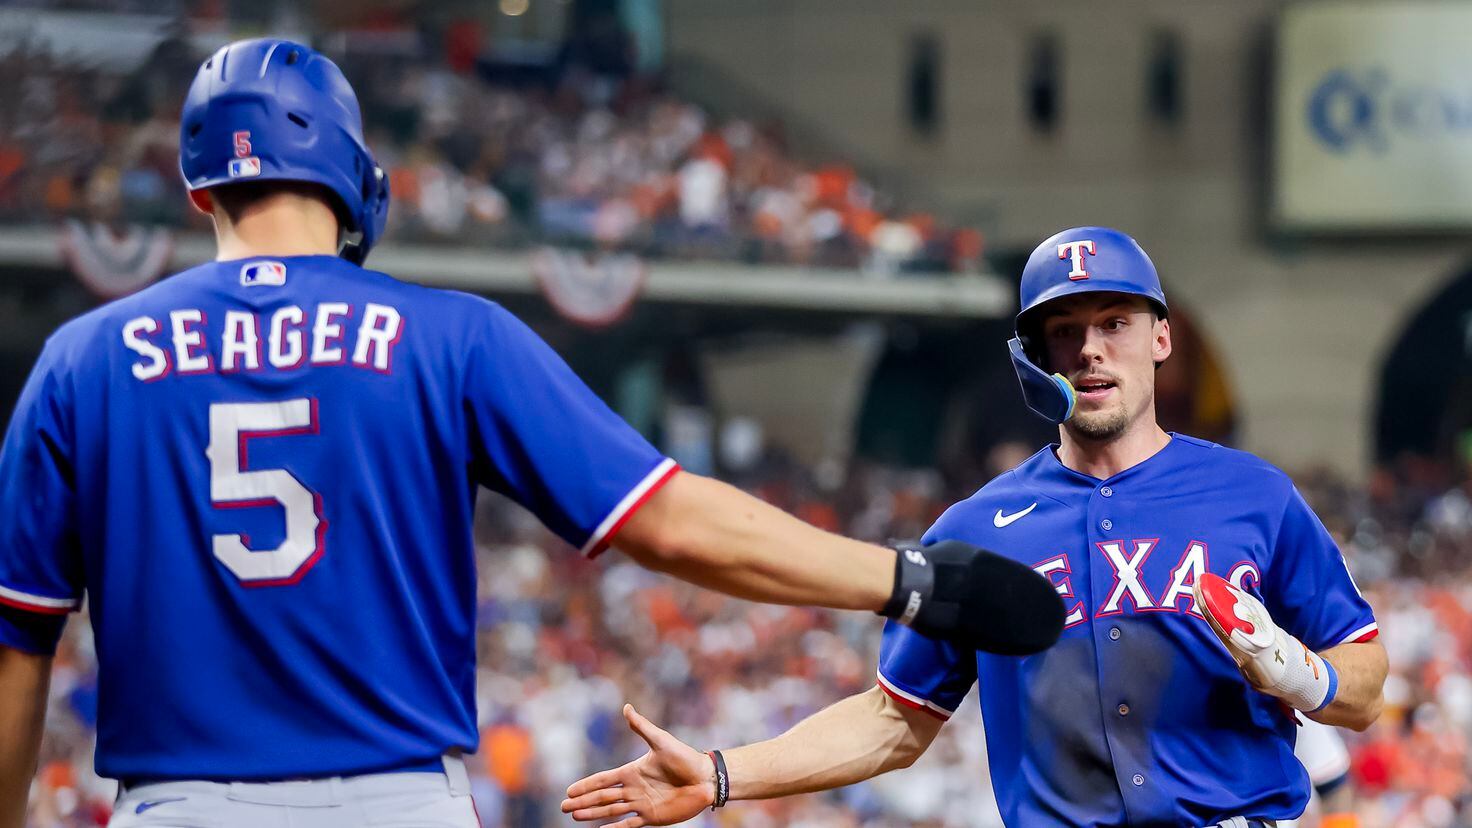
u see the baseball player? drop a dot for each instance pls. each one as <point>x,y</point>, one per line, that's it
<point>1207,608</point>
<point>261,472</point>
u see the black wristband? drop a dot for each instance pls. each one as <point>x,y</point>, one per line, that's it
<point>914,583</point>
<point>722,780</point>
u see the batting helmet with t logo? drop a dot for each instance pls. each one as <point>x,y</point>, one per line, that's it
<point>1080,260</point>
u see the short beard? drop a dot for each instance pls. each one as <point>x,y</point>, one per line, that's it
<point>1099,426</point>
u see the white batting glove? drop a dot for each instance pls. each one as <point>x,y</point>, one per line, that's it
<point>1270,659</point>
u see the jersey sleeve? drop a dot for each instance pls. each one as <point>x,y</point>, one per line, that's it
<point>922,673</point>
<point>30,632</point>
<point>40,555</point>
<point>1308,588</point>
<point>919,672</point>
<point>542,437</point>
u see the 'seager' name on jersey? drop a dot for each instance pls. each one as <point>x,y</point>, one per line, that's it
<point>288,338</point>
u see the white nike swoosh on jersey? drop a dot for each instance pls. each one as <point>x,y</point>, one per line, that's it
<point>1002,520</point>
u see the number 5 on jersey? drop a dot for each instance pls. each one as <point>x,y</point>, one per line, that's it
<point>233,487</point>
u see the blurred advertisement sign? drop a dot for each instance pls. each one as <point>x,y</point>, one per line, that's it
<point>1373,117</point>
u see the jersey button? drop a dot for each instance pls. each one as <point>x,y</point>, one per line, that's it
<point>1106,524</point>
<point>1107,492</point>
<point>1124,710</point>
<point>1114,633</point>
<point>1138,780</point>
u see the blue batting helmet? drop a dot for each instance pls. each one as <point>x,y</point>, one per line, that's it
<point>274,110</point>
<point>1080,260</point>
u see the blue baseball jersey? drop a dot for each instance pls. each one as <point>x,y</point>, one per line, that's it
<point>1138,716</point>
<point>262,475</point>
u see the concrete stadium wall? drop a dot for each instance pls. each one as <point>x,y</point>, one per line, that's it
<point>1303,324</point>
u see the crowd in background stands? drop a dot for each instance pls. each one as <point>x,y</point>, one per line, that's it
<point>575,158</point>
<point>565,642</point>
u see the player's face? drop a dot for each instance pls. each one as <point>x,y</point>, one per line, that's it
<point>1107,345</point>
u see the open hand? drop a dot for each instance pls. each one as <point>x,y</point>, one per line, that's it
<point>668,785</point>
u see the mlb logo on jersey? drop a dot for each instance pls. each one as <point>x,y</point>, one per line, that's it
<point>245,167</point>
<point>263,273</point>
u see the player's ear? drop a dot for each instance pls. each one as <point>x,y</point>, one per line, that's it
<point>1160,343</point>
<point>202,201</point>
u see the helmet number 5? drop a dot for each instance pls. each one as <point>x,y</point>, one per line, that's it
<point>232,425</point>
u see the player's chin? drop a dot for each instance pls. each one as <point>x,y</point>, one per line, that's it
<point>1099,422</point>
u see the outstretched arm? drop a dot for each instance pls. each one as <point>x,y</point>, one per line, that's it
<point>24,679</point>
<point>856,739</point>
<point>538,434</point>
<point>716,536</point>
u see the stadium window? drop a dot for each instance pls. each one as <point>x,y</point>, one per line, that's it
<point>1043,82</point>
<point>922,92</point>
<point>1163,78</point>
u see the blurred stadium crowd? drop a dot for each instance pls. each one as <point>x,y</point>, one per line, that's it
<point>578,158</point>
<point>565,642</point>
<point>598,159</point>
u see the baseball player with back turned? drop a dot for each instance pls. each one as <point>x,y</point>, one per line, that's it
<point>262,473</point>
<point>1206,605</point>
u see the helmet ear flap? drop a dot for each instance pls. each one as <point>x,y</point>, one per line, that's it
<point>350,246</point>
<point>374,188</point>
<point>1029,334</point>
<point>1051,396</point>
